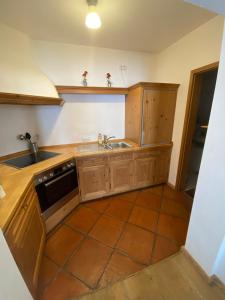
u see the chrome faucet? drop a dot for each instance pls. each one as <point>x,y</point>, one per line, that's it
<point>106,140</point>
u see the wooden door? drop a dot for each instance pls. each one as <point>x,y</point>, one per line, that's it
<point>121,175</point>
<point>144,171</point>
<point>93,182</point>
<point>26,237</point>
<point>158,116</point>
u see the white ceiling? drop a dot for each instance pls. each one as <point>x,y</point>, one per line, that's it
<point>139,25</point>
<point>217,6</point>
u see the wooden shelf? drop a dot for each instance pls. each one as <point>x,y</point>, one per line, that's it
<point>61,89</point>
<point>20,99</point>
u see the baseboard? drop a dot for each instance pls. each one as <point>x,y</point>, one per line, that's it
<point>210,279</point>
<point>218,282</point>
<point>171,186</point>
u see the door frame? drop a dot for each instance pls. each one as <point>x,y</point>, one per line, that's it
<point>189,121</point>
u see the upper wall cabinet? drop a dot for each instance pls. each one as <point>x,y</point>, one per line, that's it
<point>149,113</point>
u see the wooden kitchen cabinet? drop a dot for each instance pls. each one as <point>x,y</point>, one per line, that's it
<point>151,167</point>
<point>104,175</point>
<point>144,172</point>
<point>25,236</point>
<point>121,175</point>
<point>149,113</point>
<point>93,181</point>
<point>162,165</point>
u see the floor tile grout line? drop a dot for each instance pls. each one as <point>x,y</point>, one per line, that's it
<point>114,249</point>
<point>78,278</point>
<point>107,263</point>
<point>155,235</point>
<point>63,267</point>
<point>126,223</point>
<point>86,235</point>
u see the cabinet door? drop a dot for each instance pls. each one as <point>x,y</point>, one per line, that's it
<point>121,175</point>
<point>162,168</point>
<point>93,182</point>
<point>26,237</point>
<point>158,116</point>
<point>144,171</point>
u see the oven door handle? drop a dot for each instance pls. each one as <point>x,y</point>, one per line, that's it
<point>58,178</point>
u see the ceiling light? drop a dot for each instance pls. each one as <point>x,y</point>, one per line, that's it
<point>92,20</point>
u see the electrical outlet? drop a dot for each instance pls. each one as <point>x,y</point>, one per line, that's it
<point>123,67</point>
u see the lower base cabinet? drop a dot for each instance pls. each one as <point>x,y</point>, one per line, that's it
<point>116,173</point>
<point>162,165</point>
<point>121,175</point>
<point>93,182</point>
<point>25,236</point>
<point>144,172</point>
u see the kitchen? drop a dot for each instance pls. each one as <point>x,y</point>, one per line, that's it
<point>86,182</point>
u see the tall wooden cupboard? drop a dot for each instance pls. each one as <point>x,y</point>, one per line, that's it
<point>149,113</point>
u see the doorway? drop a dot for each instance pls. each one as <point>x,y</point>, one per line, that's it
<point>200,98</point>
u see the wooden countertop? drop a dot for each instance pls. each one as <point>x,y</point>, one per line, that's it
<point>16,181</point>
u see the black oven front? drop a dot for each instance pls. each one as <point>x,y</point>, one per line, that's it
<point>55,184</point>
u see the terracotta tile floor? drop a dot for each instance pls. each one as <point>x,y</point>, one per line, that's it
<point>106,240</point>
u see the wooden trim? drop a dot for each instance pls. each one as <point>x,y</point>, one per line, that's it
<point>20,99</point>
<point>205,276</point>
<point>158,85</point>
<point>63,89</point>
<point>210,279</point>
<point>218,282</point>
<point>190,114</point>
<point>206,68</point>
<point>172,186</point>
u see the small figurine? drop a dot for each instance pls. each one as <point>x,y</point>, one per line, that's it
<point>108,77</point>
<point>84,75</point>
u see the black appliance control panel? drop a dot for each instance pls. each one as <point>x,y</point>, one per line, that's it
<point>54,172</point>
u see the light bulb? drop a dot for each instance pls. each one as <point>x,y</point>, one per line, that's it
<point>93,20</point>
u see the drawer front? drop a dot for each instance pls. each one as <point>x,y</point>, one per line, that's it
<point>91,161</point>
<point>147,153</point>
<point>121,156</point>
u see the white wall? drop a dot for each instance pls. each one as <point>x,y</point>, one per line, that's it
<point>81,119</point>
<point>65,63</point>
<point>14,120</point>
<point>205,240</point>
<point>217,6</point>
<point>219,265</point>
<point>83,116</point>
<point>198,48</point>
<point>18,73</point>
<point>12,285</point>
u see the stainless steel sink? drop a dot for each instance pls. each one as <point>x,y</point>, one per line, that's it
<point>118,145</point>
